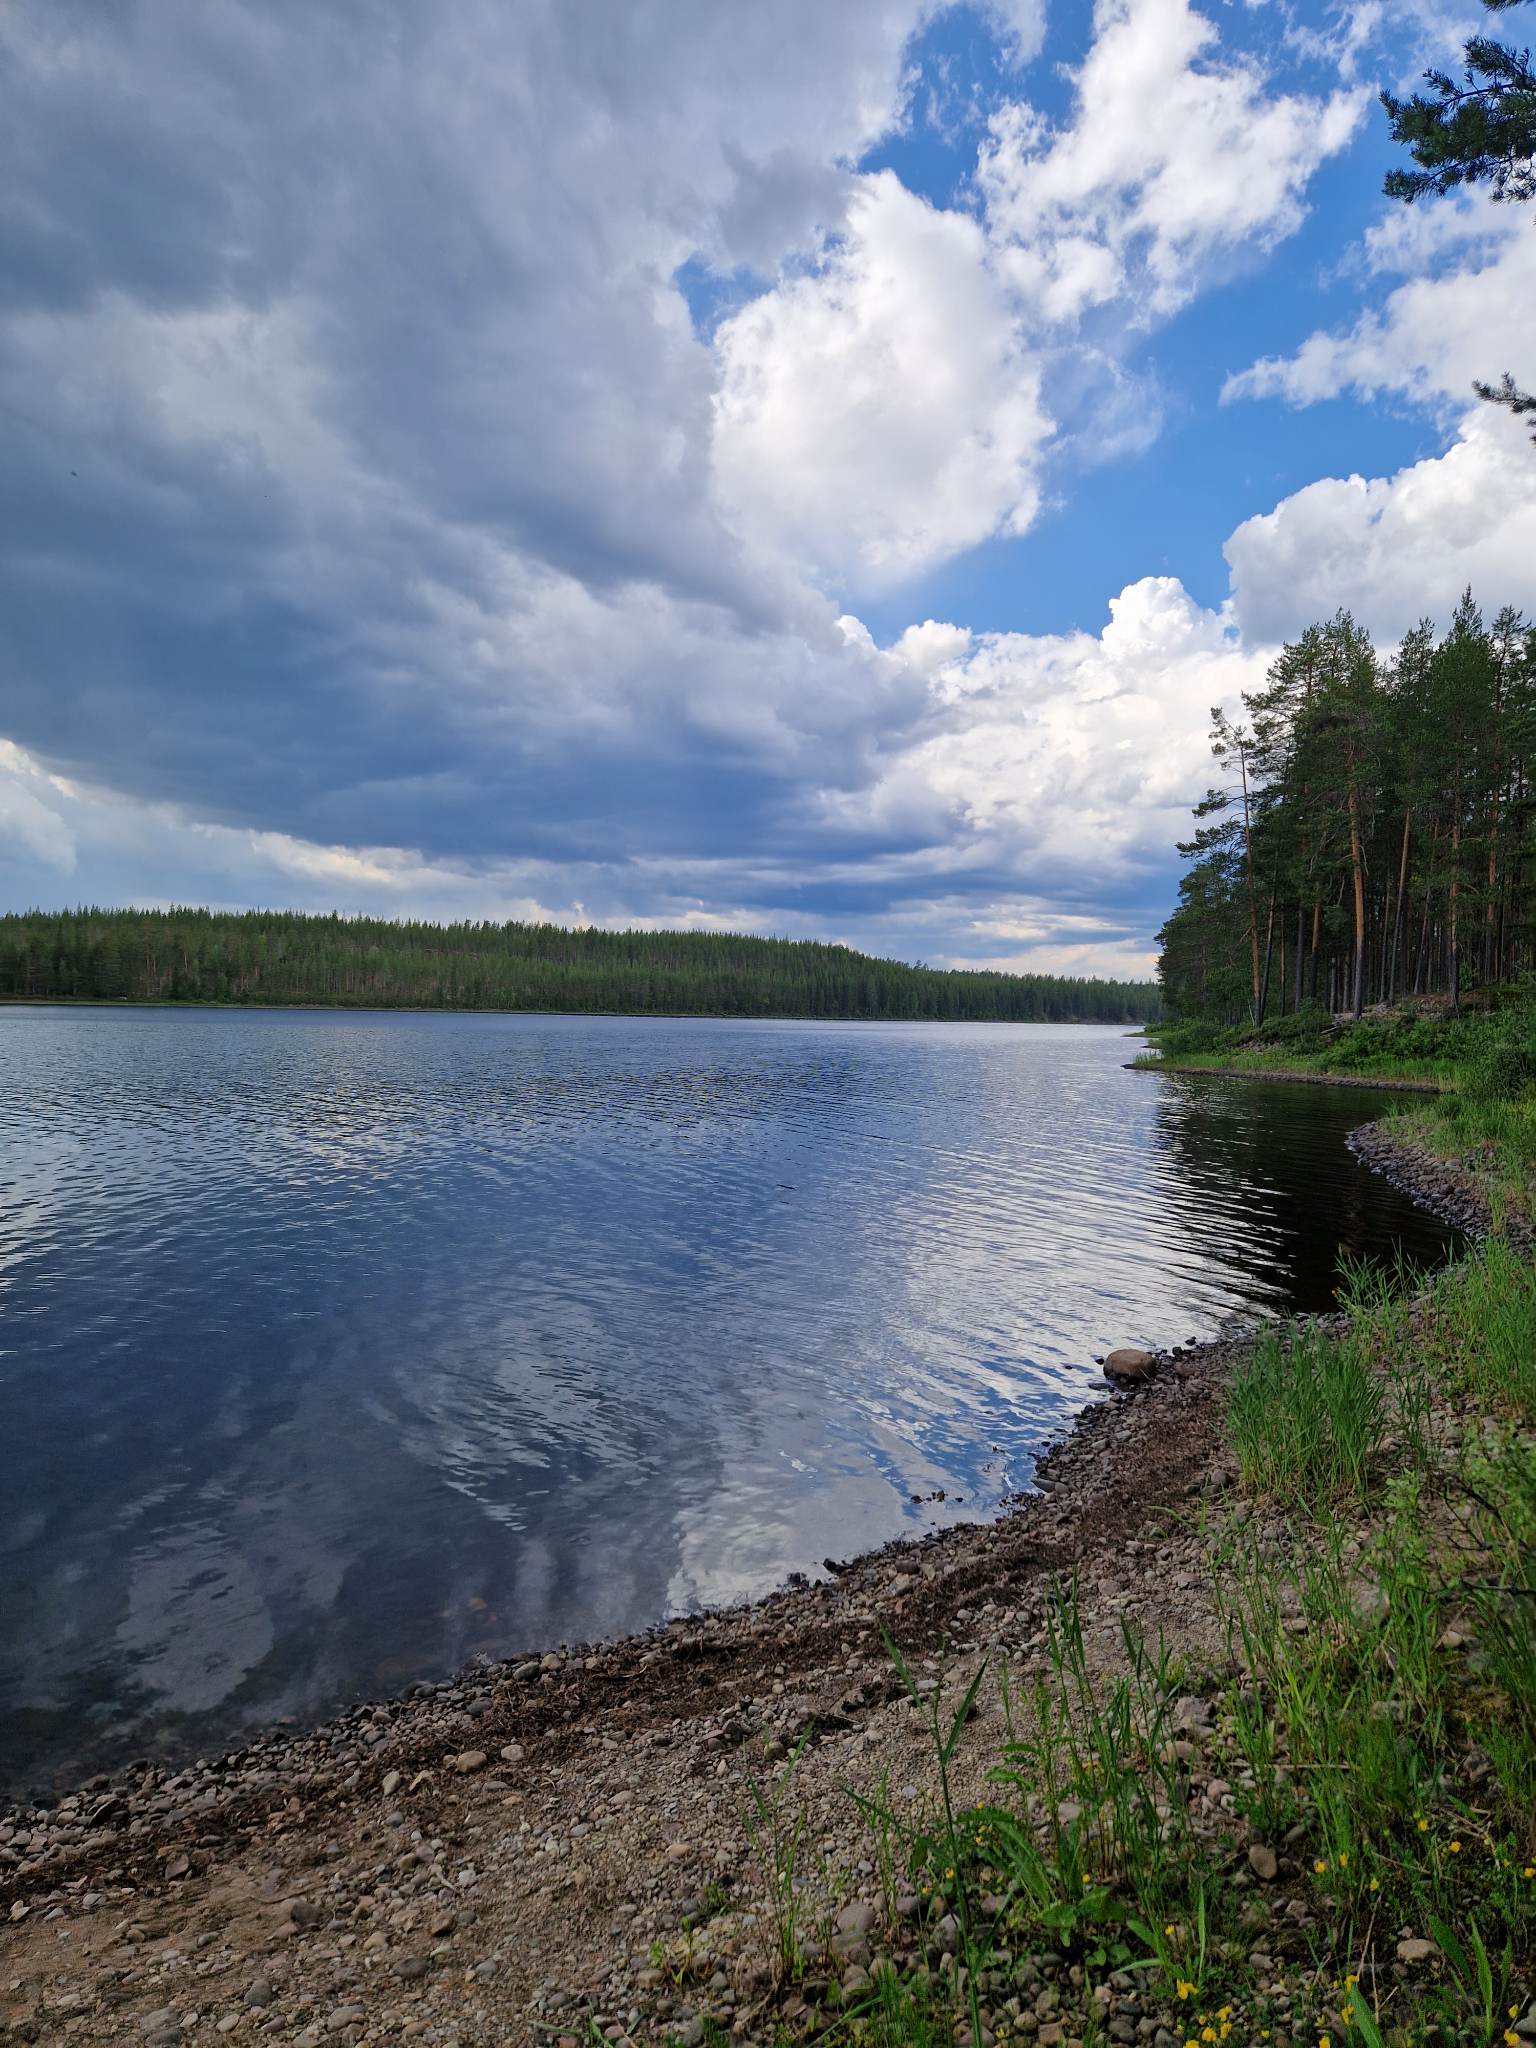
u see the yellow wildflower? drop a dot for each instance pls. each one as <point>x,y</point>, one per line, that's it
<point>1319,1866</point>
<point>1455,1848</point>
<point>1423,1827</point>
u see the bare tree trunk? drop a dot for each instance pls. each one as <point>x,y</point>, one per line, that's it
<point>1421,961</point>
<point>1453,955</point>
<point>1357,871</point>
<point>1253,907</point>
<point>1491,917</point>
<point>1397,920</point>
<point>1317,940</point>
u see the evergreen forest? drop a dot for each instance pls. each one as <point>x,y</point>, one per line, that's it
<point>1373,833</point>
<point>207,956</point>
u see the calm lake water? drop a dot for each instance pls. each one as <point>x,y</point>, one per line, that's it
<point>336,1349</point>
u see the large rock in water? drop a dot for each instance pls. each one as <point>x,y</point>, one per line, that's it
<point>1128,1366</point>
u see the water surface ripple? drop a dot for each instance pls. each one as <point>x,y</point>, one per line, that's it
<point>336,1349</point>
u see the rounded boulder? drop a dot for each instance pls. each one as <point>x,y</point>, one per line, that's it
<point>1128,1366</point>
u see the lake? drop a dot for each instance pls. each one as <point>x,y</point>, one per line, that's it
<point>337,1349</point>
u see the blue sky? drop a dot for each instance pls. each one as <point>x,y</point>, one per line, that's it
<point>797,469</point>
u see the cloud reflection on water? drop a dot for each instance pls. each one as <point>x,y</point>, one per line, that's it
<point>339,1349</point>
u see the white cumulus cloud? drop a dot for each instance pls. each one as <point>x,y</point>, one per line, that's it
<point>1179,157</point>
<point>1467,310</point>
<point>879,413</point>
<point>1395,549</point>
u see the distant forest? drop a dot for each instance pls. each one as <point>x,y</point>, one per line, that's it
<point>259,956</point>
<point>1374,833</point>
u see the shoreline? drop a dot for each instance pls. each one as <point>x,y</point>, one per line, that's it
<point>601,1769</point>
<point>1393,1085</point>
<point>1128,1025</point>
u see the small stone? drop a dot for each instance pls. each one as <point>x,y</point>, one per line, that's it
<point>512,1753</point>
<point>259,1996</point>
<point>411,1969</point>
<point>178,1866</point>
<point>391,1783</point>
<point>1416,1950</point>
<point>1263,1862</point>
<point>441,1924</point>
<point>469,1760</point>
<point>344,2016</point>
<point>857,1918</point>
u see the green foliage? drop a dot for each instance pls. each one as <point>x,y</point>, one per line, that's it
<point>280,957</point>
<point>776,1830</point>
<point>1179,1041</point>
<point>1479,130</point>
<point>1373,1722</point>
<point>1378,841</point>
<point>1403,1041</point>
<point>1490,1056</point>
<point>1503,1062</point>
<point>1307,1415</point>
<point>1479,1329</point>
<point>945,1741</point>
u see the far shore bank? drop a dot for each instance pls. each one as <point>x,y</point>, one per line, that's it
<point>565,1841</point>
<point>8,1002</point>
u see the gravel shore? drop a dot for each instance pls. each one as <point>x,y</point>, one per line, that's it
<point>557,1844</point>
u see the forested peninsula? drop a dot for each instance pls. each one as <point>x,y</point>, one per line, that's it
<point>281,957</point>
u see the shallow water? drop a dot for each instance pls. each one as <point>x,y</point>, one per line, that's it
<point>336,1349</point>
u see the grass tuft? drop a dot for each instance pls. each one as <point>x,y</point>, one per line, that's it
<point>1307,1416</point>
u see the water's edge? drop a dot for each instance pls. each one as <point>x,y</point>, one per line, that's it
<point>1115,1447</point>
<point>1393,1086</point>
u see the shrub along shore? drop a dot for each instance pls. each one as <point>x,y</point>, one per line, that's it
<point>1226,1735</point>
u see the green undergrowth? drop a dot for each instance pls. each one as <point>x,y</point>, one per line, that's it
<point>1493,1136</point>
<point>1489,1052</point>
<point>1322,1833</point>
